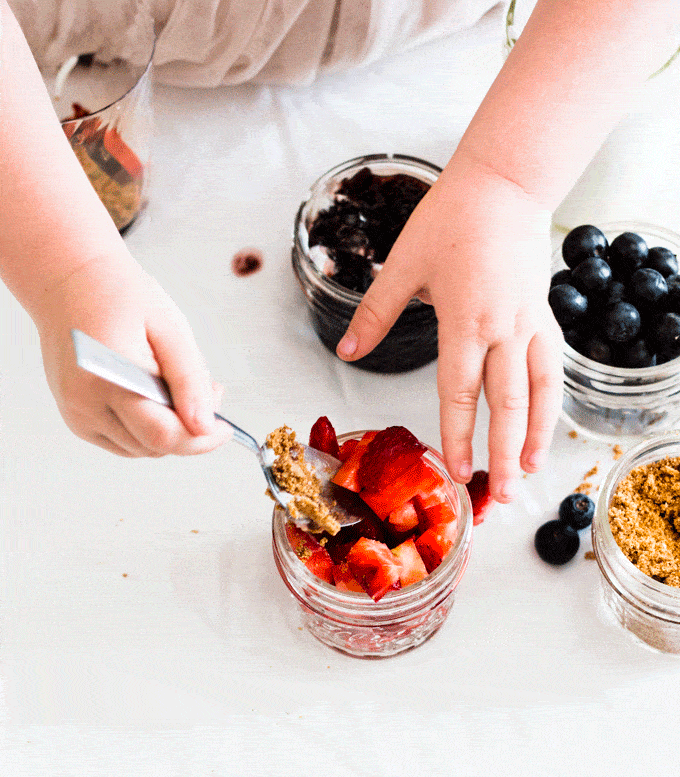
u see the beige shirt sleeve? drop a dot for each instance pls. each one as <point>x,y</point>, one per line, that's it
<point>213,42</point>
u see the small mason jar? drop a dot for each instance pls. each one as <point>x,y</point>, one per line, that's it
<point>620,404</point>
<point>648,609</point>
<point>105,110</point>
<point>352,622</point>
<point>412,340</point>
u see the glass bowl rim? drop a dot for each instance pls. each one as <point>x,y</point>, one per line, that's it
<point>137,85</point>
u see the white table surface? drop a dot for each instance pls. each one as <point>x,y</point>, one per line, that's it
<point>145,629</point>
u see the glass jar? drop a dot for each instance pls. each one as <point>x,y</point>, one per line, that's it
<point>352,622</point>
<point>648,609</point>
<point>412,340</point>
<point>105,111</point>
<point>620,404</point>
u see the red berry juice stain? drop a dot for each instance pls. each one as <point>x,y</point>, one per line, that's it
<point>246,262</point>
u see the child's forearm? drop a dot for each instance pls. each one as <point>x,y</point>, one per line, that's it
<point>51,220</point>
<point>565,85</point>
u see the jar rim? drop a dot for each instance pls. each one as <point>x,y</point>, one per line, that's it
<point>301,260</point>
<point>640,589</point>
<point>398,603</point>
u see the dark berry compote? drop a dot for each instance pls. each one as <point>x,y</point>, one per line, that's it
<point>343,235</point>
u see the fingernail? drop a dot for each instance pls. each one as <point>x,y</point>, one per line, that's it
<point>348,345</point>
<point>465,471</point>
<point>509,489</point>
<point>537,459</point>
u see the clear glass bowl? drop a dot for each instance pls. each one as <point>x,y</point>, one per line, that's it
<point>106,113</point>
<point>412,341</point>
<point>646,608</point>
<point>352,622</point>
<point>621,404</point>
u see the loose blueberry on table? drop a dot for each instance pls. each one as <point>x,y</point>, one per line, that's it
<point>618,303</point>
<point>557,541</point>
<point>414,526</point>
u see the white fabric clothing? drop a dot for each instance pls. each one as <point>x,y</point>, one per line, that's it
<point>213,42</point>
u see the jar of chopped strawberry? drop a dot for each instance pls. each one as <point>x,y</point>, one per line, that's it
<point>386,584</point>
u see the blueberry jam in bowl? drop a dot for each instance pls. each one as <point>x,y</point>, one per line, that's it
<point>342,235</point>
<point>615,292</point>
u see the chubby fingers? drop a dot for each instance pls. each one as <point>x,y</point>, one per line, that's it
<point>544,362</point>
<point>380,307</point>
<point>459,377</point>
<point>506,385</point>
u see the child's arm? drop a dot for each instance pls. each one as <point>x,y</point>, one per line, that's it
<point>62,257</point>
<point>478,242</point>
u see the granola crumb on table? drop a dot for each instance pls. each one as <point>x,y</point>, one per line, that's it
<point>295,476</point>
<point>644,516</point>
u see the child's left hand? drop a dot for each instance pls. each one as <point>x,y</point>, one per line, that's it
<point>478,248</point>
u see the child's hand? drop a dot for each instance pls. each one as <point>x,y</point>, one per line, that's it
<point>478,248</point>
<point>121,306</point>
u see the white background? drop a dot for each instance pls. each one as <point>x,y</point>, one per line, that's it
<point>193,663</point>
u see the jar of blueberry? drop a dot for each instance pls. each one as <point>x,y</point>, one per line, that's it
<point>342,235</point>
<point>615,292</point>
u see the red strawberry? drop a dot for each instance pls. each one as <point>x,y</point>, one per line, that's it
<point>391,452</point>
<point>347,475</point>
<point>347,448</point>
<point>412,567</point>
<point>478,488</point>
<point>344,579</point>
<point>375,567</point>
<point>322,437</point>
<point>312,554</point>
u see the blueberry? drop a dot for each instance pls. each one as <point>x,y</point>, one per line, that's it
<point>568,305</point>
<point>592,276</point>
<point>556,542</point>
<point>647,287</point>
<point>573,338</point>
<point>582,243</point>
<point>621,322</point>
<point>663,260</point>
<point>561,276</point>
<point>596,349</point>
<point>667,337</point>
<point>673,298</point>
<point>615,293</point>
<point>635,354</point>
<point>626,254</point>
<point>577,511</point>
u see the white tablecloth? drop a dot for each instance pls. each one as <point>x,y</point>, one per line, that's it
<point>145,630</point>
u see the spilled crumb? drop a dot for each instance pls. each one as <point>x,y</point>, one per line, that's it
<point>124,574</point>
<point>590,555</point>
<point>194,531</point>
<point>573,434</point>
<point>617,451</point>
<point>590,473</point>
<point>584,488</point>
<point>295,476</point>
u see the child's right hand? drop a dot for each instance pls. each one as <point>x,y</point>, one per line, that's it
<point>120,305</point>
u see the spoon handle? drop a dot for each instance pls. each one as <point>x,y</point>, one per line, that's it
<point>96,358</point>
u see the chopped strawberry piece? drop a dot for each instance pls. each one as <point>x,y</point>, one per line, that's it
<point>391,452</point>
<point>123,154</point>
<point>403,518</point>
<point>375,567</point>
<point>346,449</point>
<point>433,545</point>
<point>478,488</point>
<point>346,476</point>
<point>417,478</point>
<point>322,437</point>
<point>412,566</point>
<point>312,554</point>
<point>344,579</point>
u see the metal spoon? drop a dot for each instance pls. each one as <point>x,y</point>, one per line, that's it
<point>346,507</point>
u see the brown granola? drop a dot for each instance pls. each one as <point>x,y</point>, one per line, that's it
<point>295,476</point>
<point>644,516</point>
